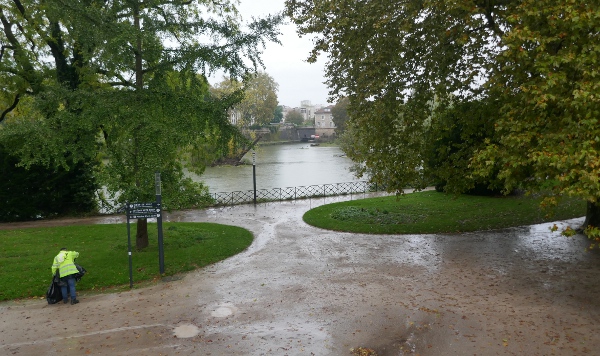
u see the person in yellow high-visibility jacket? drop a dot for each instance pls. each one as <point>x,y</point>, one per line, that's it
<point>64,263</point>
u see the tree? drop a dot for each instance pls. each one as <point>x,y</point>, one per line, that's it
<point>259,98</point>
<point>152,139</point>
<point>548,131</point>
<point>126,83</point>
<point>339,112</point>
<point>393,60</point>
<point>31,34</point>
<point>278,115</point>
<point>405,65</point>
<point>42,192</point>
<point>294,117</point>
<point>454,136</point>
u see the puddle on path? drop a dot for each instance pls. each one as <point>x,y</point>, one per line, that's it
<point>186,331</point>
<point>224,311</point>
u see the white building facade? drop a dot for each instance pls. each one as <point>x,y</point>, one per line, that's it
<point>324,118</point>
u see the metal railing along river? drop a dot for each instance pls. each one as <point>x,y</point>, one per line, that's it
<point>293,193</point>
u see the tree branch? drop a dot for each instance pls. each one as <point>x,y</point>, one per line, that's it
<point>488,11</point>
<point>20,7</point>
<point>10,108</point>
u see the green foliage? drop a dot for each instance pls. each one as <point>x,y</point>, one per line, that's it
<point>294,117</point>
<point>278,115</point>
<point>51,131</point>
<point>42,192</point>
<point>259,98</point>
<point>402,64</point>
<point>454,136</point>
<point>123,82</point>
<point>28,253</point>
<point>593,233</point>
<point>548,84</point>
<point>151,139</point>
<point>339,114</point>
<point>397,63</point>
<point>432,212</point>
<point>388,148</point>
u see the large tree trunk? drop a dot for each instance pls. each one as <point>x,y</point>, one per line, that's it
<point>141,235</point>
<point>592,215</point>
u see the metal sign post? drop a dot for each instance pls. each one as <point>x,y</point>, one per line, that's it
<point>146,211</point>
<point>161,252</point>
<point>254,173</point>
<point>129,248</point>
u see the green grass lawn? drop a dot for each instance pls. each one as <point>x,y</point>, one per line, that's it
<point>27,254</point>
<point>433,212</point>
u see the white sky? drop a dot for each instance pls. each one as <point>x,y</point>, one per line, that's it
<point>286,63</point>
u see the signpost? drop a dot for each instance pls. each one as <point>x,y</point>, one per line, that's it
<point>254,173</point>
<point>161,252</point>
<point>147,211</point>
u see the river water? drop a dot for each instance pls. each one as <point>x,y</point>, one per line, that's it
<point>281,166</point>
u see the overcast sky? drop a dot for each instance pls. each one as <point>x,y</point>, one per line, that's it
<point>286,63</point>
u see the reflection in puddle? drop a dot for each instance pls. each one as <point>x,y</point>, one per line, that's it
<point>539,243</point>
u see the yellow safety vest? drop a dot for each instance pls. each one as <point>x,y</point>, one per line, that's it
<point>64,263</point>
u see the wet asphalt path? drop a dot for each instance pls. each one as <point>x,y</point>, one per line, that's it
<point>299,290</point>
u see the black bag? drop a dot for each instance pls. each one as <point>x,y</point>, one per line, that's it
<point>81,272</point>
<point>53,294</point>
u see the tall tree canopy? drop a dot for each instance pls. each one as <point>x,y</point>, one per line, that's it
<point>121,78</point>
<point>404,65</point>
<point>339,114</point>
<point>259,98</point>
<point>278,115</point>
<point>294,117</point>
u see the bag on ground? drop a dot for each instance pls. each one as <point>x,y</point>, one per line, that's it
<point>53,294</point>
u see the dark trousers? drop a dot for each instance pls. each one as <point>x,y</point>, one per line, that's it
<point>69,287</point>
